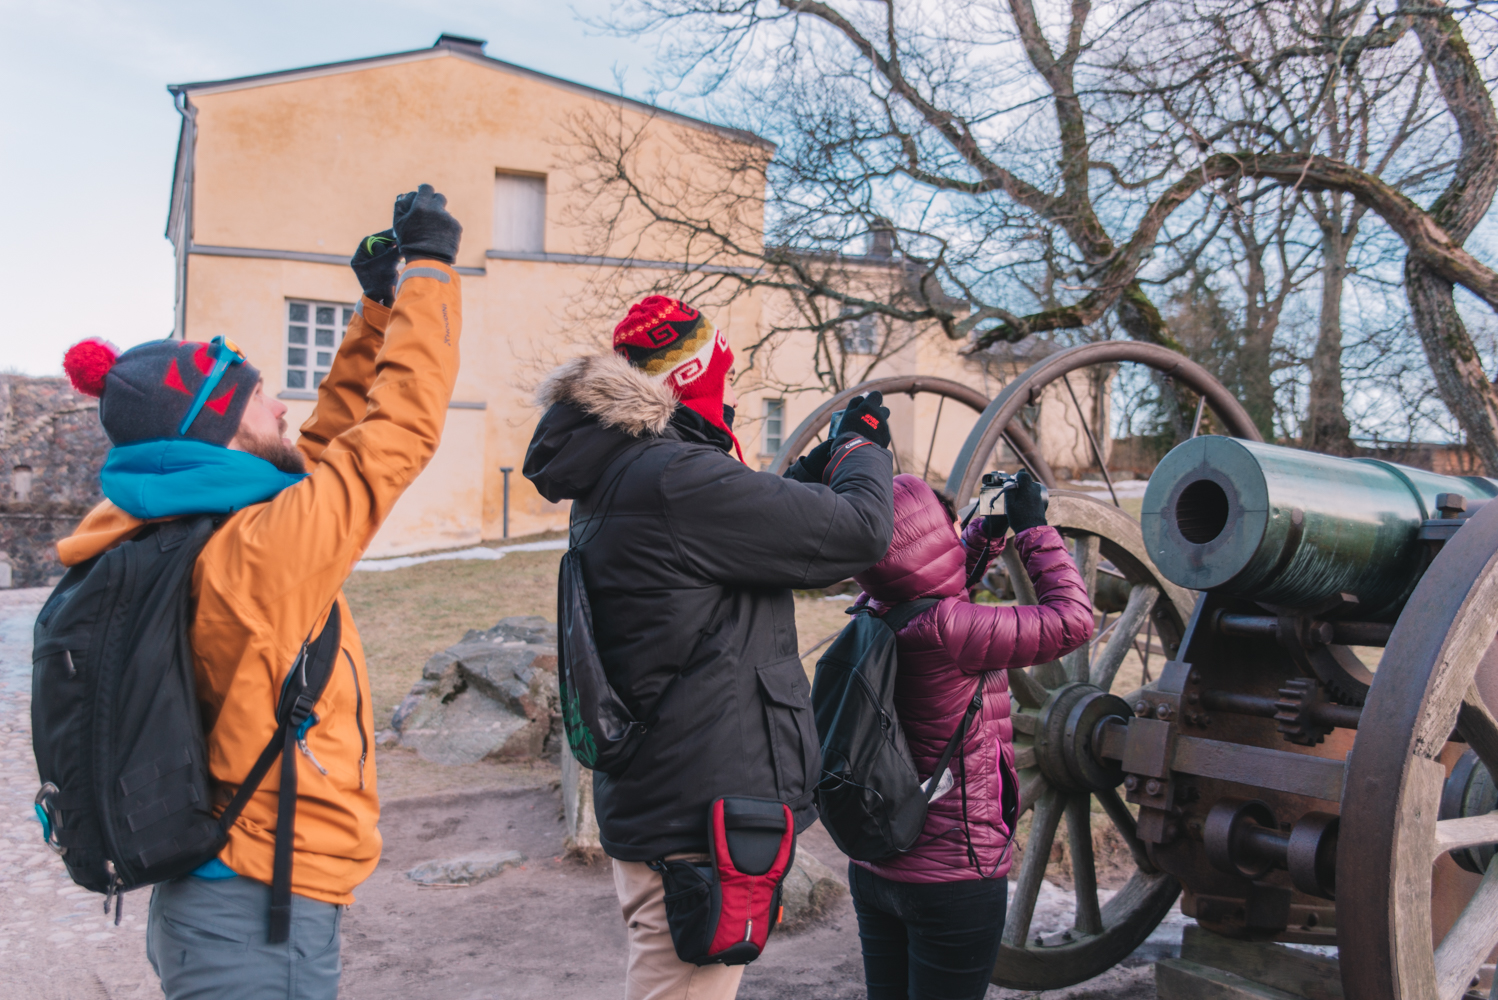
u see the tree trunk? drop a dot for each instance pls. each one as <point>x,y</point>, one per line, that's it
<point>1142,321</point>
<point>1453,358</point>
<point>1260,322</point>
<point>1464,388</point>
<point>1326,428</point>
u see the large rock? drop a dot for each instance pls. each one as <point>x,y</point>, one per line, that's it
<point>493,694</point>
<point>808,892</point>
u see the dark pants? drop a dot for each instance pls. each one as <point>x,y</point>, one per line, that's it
<point>928,940</point>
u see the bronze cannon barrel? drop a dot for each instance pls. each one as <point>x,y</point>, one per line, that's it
<point>1294,528</point>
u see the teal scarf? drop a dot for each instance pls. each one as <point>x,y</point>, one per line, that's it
<point>175,476</point>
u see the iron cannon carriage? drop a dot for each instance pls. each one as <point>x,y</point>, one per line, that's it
<point>1312,758</point>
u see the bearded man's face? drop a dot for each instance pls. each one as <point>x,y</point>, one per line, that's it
<point>262,433</point>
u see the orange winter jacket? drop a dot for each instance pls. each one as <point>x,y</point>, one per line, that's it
<point>268,577</point>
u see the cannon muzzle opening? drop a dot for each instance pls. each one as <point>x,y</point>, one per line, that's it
<point>1201,511</point>
<point>1293,528</point>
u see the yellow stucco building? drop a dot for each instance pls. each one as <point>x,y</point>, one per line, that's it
<point>279,175</point>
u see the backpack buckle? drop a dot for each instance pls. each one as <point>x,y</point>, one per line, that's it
<point>48,817</point>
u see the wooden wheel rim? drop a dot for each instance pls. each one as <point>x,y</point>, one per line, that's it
<point>962,484</point>
<point>1137,909</point>
<point>808,430</point>
<point>1390,835</point>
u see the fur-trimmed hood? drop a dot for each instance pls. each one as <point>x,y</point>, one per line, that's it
<point>607,387</point>
<point>595,407</point>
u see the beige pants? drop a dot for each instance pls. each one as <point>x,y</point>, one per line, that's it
<point>654,971</point>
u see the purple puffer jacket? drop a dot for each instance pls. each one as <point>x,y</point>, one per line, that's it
<point>942,651</point>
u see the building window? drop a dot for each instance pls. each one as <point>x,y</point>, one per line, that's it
<point>20,483</point>
<point>313,332</point>
<point>519,213</point>
<point>774,425</point>
<point>859,336</point>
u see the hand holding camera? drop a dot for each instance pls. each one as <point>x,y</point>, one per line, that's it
<point>865,415</point>
<point>1016,501</point>
<point>424,228</point>
<point>374,264</point>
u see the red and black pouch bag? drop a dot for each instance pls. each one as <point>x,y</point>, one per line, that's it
<point>721,911</point>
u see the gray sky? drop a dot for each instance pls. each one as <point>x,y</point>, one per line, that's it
<point>88,132</point>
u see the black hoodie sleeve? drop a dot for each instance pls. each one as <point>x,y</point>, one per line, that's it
<point>743,528</point>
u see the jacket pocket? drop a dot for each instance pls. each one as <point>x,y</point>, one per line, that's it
<point>792,731</point>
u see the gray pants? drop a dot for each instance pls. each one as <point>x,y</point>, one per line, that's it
<point>206,938</point>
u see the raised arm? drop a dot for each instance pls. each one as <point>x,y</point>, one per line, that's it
<point>769,531</point>
<point>305,541</point>
<point>986,637</point>
<point>343,395</point>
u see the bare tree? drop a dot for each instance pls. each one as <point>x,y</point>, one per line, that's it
<point>979,130</point>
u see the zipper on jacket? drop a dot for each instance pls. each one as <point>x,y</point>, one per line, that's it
<point>301,742</point>
<point>359,715</point>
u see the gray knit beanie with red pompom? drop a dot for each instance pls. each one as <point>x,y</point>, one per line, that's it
<point>145,392</point>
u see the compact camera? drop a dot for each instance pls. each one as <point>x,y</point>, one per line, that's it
<point>991,493</point>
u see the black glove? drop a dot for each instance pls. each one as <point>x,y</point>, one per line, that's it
<point>995,526</point>
<point>866,416</point>
<point>810,467</point>
<point>1025,504</point>
<point>423,227</point>
<point>374,265</point>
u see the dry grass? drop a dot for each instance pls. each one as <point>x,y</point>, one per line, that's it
<point>406,615</point>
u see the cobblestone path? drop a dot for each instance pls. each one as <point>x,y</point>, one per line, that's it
<point>55,941</point>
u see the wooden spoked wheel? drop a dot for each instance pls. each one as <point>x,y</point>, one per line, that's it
<point>1056,707</point>
<point>813,429</point>
<point>1438,679</point>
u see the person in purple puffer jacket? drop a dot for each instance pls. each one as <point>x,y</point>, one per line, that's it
<point>930,919</point>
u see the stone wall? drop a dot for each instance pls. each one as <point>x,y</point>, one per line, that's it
<point>51,449</point>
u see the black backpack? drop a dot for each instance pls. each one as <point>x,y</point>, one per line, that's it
<point>870,798</point>
<point>601,732</point>
<point>126,798</point>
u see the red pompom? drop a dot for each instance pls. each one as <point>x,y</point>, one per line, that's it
<point>87,362</point>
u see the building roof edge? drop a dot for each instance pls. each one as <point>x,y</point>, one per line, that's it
<point>206,87</point>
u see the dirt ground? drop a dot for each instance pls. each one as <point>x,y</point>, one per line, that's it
<point>552,927</point>
<point>549,928</point>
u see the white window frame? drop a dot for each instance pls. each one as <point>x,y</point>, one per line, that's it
<point>773,413</point>
<point>519,212</point>
<point>309,345</point>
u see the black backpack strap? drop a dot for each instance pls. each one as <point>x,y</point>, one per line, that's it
<point>967,720</point>
<point>303,687</point>
<point>897,618</point>
<point>903,614</point>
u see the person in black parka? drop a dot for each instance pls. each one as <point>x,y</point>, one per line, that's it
<point>689,559</point>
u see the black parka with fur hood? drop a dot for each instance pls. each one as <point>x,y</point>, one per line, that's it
<point>689,559</point>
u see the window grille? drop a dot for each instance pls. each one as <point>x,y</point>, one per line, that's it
<point>313,332</point>
<point>774,414</point>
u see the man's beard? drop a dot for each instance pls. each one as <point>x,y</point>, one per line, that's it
<point>277,452</point>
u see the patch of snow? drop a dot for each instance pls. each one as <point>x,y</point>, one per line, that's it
<point>1125,488</point>
<point>477,552</point>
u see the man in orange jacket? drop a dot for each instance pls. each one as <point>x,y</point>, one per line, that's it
<point>189,441</point>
